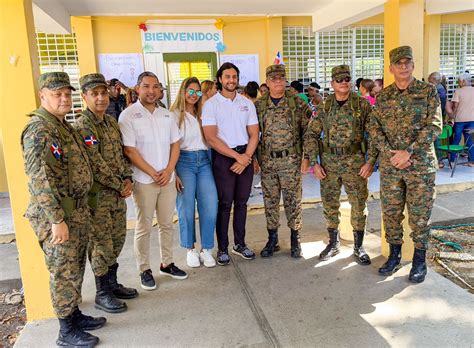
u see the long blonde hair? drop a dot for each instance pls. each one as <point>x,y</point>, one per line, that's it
<point>179,105</point>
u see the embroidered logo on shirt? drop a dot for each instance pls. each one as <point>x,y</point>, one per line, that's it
<point>56,150</point>
<point>91,140</point>
<point>244,108</point>
<point>137,115</point>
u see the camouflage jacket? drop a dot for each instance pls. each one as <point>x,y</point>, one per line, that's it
<point>340,126</point>
<point>56,164</point>
<point>282,126</point>
<point>407,120</point>
<point>103,141</point>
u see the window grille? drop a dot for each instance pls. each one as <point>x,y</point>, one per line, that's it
<point>58,52</point>
<point>456,53</point>
<point>310,56</point>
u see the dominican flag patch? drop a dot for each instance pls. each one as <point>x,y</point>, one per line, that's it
<point>56,150</point>
<point>91,140</point>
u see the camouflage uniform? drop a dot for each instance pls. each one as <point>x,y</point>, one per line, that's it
<point>60,176</point>
<point>104,145</point>
<point>407,120</point>
<point>342,129</point>
<point>282,128</point>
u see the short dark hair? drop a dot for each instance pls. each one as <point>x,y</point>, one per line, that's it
<point>297,85</point>
<point>144,74</point>
<point>358,81</point>
<point>223,67</point>
<point>315,85</point>
<point>112,82</point>
<point>251,89</point>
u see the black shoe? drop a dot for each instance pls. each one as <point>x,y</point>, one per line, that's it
<point>295,244</point>
<point>71,336</point>
<point>393,263</point>
<point>172,271</point>
<point>118,289</point>
<point>86,322</point>
<point>147,281</point>
<point>243,251</point>
<point>272,244</point>
<point>332,249</point>
<point>104,299</point>
<point>359,252</point>
<point>223,257</point>
<point>418,269</point>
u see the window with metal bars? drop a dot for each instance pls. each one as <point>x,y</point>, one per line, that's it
<point>58,52</point>
<point>310,56</point>
<point>456,53</point>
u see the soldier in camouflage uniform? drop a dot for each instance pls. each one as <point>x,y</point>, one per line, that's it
<point>283,119</point>
<point>102,137</point>
<point>405,122</point>
<point>59,178</point>
<point>338,136</point>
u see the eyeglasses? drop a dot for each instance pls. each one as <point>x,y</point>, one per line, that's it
<point>345,79</point>
<point>277,78</point>
<point>192,92</point>
<point>405,63</point>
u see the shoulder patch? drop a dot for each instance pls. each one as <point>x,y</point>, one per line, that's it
<point>90,140</point>
<point>56,150</point>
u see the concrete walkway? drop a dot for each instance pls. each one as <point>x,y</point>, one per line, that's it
<point>282,302</point>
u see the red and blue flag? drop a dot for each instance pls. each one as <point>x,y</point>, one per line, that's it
<point>91,140</point>
<point>56,150</point>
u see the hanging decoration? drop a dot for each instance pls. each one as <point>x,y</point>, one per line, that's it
<point>142,26</point>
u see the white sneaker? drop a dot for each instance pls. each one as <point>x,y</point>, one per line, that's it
<point>259,185</point>
<point>192,258</point>
<point>206,258</point>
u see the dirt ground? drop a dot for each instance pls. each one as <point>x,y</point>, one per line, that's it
<point>460,262</point>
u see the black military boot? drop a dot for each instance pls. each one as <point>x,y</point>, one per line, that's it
<point>295,244</point>
<point>86,322</point>
<point>119,290</point>
<point>104,299</point>
<point>418,269</point>
<point>393,263</point>
<point>272,244</point>
<point>71,336</point>
<point>359,251</point>
<point>332,249</point>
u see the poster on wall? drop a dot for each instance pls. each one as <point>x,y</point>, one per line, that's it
<point>178,37</point>
<point>123,66</point>
<point>247,64</point>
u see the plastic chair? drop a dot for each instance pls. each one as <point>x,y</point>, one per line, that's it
<point>454,149</point>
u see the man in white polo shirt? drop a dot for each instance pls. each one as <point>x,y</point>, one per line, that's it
<point>230,126</point>
<point>151,139</point>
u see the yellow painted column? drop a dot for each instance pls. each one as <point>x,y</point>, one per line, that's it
<point>403,26</point>
<point>431,47</point>
<point>274,42</point>
<point>19,70</point>
<point>3,171</point>
<point>82,27</point>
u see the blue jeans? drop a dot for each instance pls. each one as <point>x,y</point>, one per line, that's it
<point>459,129</point>
<point>195,171</point>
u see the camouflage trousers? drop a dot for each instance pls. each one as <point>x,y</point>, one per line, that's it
<point>110,229</point>
<point>282,176</point>
<point>417,191</point>
<point>65,262</point>
<point>344,171</point>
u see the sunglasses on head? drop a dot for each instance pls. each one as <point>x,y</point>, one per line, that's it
<point>345,79</point>
<point>192,92</point>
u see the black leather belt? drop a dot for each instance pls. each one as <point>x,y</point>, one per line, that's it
<point>240,149</point>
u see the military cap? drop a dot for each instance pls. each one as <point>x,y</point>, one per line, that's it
<point>400,52</point>
<point>91,81</point>
<point>54,80</point>
<point>340,71</point>
<point>275,69</point>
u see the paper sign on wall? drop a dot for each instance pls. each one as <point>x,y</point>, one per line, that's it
<point>123,66</point>
<point>247,64</point>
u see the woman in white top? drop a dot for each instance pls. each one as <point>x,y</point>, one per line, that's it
<point>195,181</point>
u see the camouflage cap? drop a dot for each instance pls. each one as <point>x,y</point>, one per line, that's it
<point>340,71</point>
<point>275,69</point>
<point>91,81</point>
<point>54,80</point>
<point>400,52</point>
